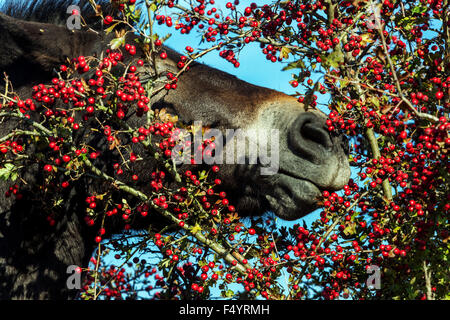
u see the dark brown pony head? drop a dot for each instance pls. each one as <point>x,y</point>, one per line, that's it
<point>310,159</point>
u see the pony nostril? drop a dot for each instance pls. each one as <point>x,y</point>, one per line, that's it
<point>316,133</point>
<point>309,138</point>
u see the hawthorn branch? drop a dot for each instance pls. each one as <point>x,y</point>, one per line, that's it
<point>97,263</point>
<point>220,250</point>
<point>171,168</point>
<point>16,133</point>
<point>331,10</point>
<point>35,124</point>
<point>136,249</point>
<point>370,135</point>
<point>446,36</point>
<point>197,56</point>
<point>373,142</point>
<point>427,274</point>
<point>338,220</point>
<point>150,36</point>
<point>420,115</point>
<point>330,229</point>
<point>241,33</point>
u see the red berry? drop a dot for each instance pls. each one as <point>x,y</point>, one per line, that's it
<point>108,19</point>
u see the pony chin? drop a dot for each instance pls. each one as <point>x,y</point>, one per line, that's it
<point>291,198</point>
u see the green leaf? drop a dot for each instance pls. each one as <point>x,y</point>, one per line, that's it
<point>203,175</point>
<point>8,172</point>
<point>229,293</point>
<point>344,82</point>
<point>375,101</point>
<point>350,229</point>
<point>111,28</point>
<point>285,52</point>
<point>333,59</point>
<point>299,64</point>
<point>136,16</point>
<point>196,228</point>
<point>408,23</point>
<point>366,38</point>
<point>117,43</point>
<point>14,176</point>
<point>419,9</point>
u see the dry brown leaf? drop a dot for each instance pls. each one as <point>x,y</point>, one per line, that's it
<point>114,144</point>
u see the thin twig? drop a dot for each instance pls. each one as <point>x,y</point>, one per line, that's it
<point>220,250</point>
<point>410,106</point>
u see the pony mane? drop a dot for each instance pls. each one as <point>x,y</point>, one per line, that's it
<point>53,11</point>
